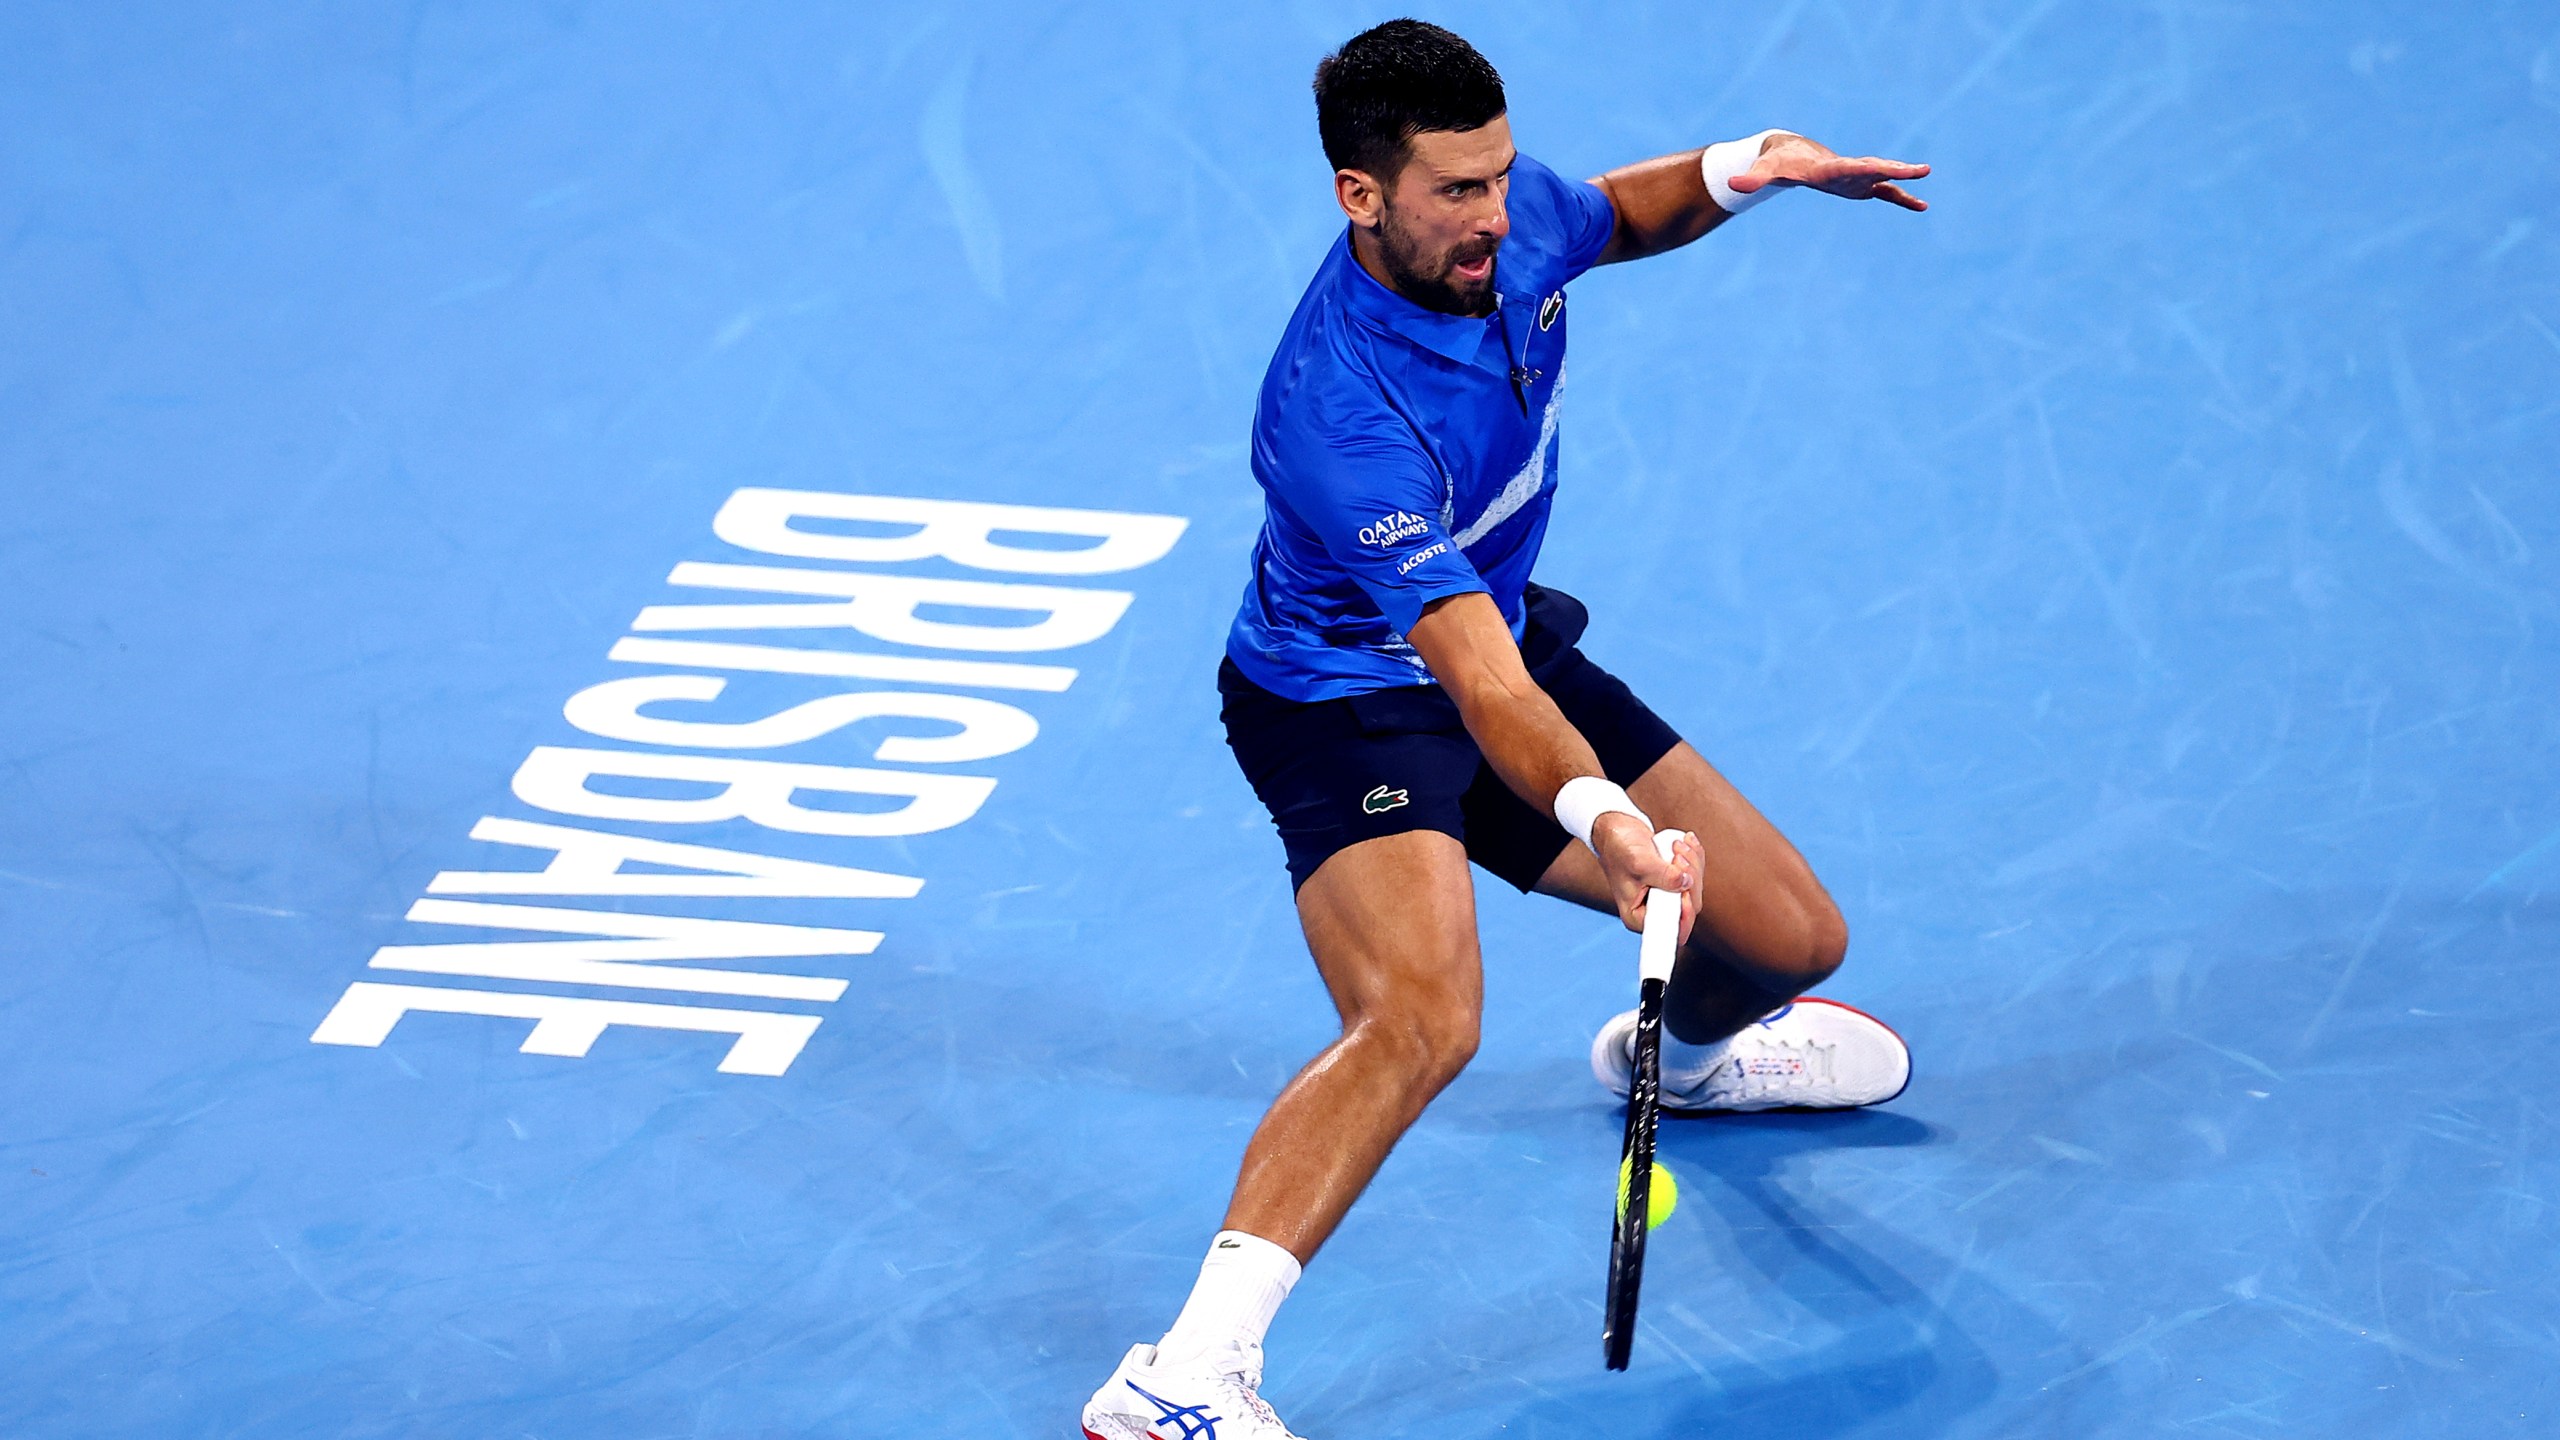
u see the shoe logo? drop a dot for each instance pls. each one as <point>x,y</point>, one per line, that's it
<point>1774,1016</point>
<point>1196,1421</point>
<point>1382,800</point>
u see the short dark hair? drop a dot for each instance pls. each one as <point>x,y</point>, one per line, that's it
<point>1391,80</point>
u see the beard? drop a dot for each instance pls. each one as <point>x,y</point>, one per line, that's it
<point>1429,280</point>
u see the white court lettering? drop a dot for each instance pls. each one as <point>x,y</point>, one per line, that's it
<point>840,803</point>
<point>569,1025</point>
<point>589,862</point>
<point>783,660</point>
<point>554,778</point>
<point>962,531</point>
<point>884,607</point>
<point>634,958</point>
<point>988,728</point>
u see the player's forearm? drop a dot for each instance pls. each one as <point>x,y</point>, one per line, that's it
<point>1521,733</point>
<point>1525,738</point>
<point>1662,204</point>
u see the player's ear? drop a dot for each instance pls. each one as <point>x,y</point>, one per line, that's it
<point>1357,192</point>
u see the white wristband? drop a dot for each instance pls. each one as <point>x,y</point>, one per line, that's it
<point>1585,798</point>
<point>1727,158</point>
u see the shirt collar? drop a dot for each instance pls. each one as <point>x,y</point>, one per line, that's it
<point>1459,337</point>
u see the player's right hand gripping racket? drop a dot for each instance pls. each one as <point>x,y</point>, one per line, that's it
<point>1661,944</point>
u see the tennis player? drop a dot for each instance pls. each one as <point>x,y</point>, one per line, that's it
<point>1406,700</point>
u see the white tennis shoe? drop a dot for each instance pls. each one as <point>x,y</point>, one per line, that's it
<point>1213,1398</point>
<point>1811,1055</point>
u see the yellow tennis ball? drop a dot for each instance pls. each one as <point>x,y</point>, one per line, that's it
<point>1660,1200</point>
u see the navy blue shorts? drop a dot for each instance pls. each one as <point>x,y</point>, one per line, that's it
<point>1336,772</point>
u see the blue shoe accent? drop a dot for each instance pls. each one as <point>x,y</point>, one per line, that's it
<point>1196,1421</point>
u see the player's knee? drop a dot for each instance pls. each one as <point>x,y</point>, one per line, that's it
<point>1453,1042</point>
<point>1800,939</point>
<point>1432,1040</point>
<point>1826,939</point>
<point>1444,1040</point>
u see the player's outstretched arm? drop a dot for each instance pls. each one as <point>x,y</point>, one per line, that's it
<point>1537,751</point>
<point>1665,203</point>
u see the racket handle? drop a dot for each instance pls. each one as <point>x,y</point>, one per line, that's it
<point>1661,943</point>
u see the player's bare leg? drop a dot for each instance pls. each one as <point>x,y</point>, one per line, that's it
<point>1392,924</point>
<point>1767,932</point>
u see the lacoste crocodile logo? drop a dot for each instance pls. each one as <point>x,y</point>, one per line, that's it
<point>1382,800</point>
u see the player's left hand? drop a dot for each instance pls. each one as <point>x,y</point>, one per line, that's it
<point>1794,160</point>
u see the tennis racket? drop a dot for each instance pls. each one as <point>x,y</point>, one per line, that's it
<point>1660,946</point>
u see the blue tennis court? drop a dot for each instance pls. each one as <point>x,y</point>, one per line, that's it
<point>439,1004</point>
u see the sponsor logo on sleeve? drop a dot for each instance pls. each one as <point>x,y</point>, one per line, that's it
<point>1393,529</point>
<point>1408,564</point>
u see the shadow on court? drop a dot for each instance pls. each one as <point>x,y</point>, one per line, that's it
<point>1898,1351</point>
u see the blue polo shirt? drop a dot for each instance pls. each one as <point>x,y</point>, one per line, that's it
<point>1398,465</point>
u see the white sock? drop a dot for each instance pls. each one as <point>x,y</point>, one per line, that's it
<point>1682,1061</point>
<point>1241,1286</point>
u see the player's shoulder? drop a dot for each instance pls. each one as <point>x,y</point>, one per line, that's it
<point>1326,373</point>
<point>1534,179</point>
<point>1324,413</point>
<point>1552,216</point>
<point>1314,422</point>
